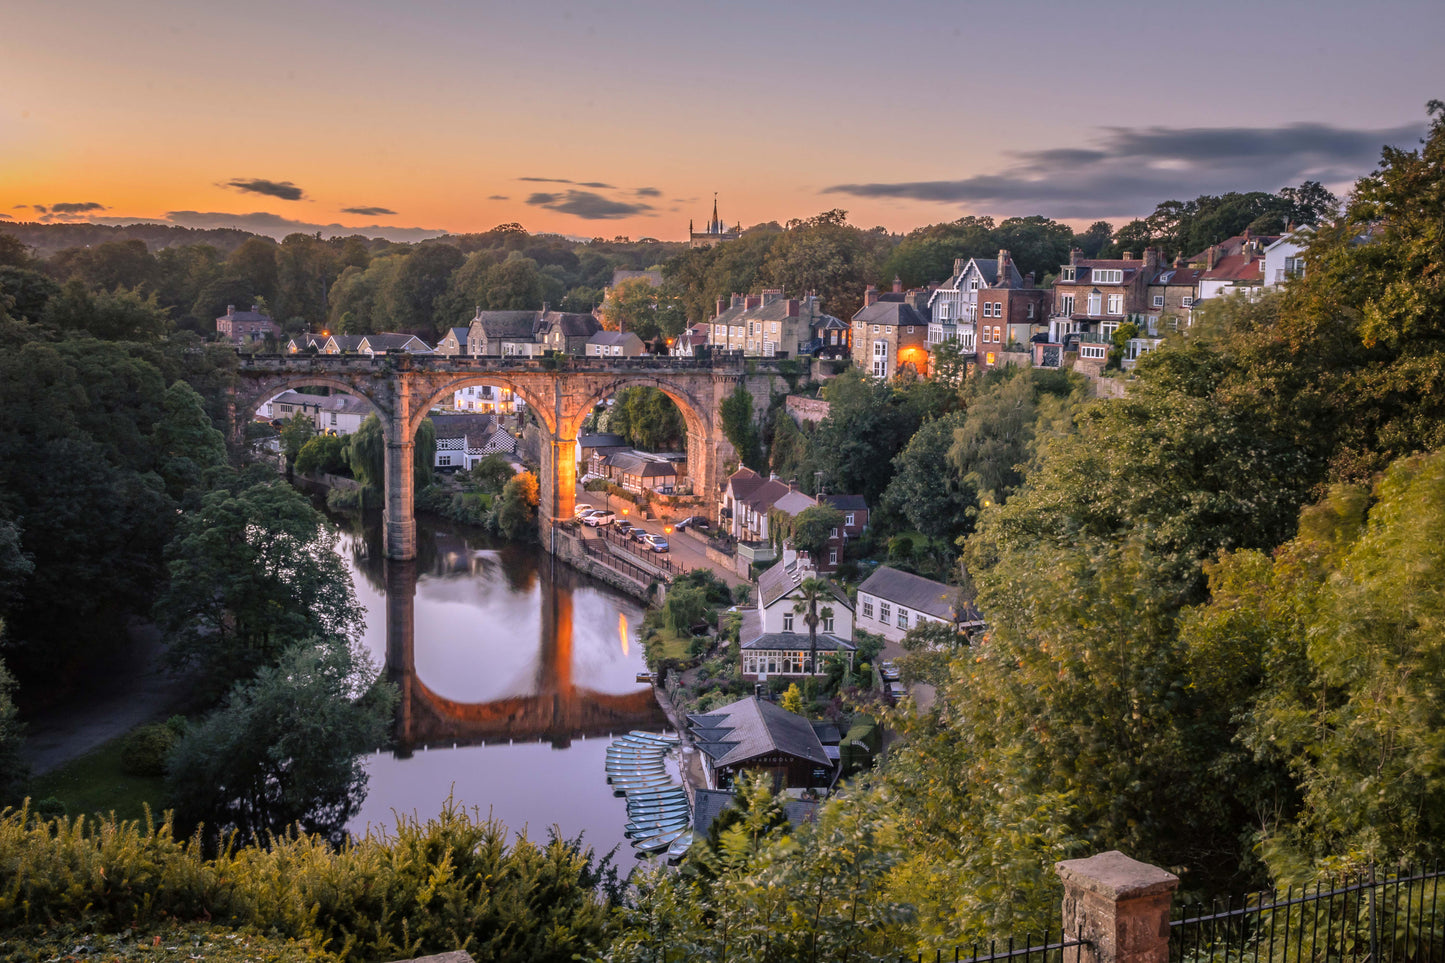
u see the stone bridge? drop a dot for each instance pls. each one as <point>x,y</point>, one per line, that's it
<point>559,390</point>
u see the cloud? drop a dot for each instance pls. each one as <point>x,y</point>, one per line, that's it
<point>285,190</point>
<point>368,211</point>
<point>498,197</point>
<point>75,207</point>
<point>7,217</point>
<point>588,205</point>
<point>64,211</point>
<point>274,225</point>
<point>1127,171</point>
<point>595,185</point>
<point>647,192</point>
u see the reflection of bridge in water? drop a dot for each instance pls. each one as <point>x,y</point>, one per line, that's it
<point>558,712</point>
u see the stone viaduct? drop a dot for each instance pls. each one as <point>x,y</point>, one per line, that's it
<point>559,390</point>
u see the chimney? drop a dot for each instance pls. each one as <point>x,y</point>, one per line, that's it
<point>255,309</point>
<point>737,301</point>
<point>870,296</point>
<point>792,484</point>
<point>546,307</point>
<point>897,285</point>
<point>1128,255</point>
<point>1029,280</point>
<point>772,294</point>
<point>1151,259</point>
<point>1179,261</point>
<point>792,307</point>
<point>722,305</point>
<point>752,301</point>
<point>230,310</point>
<point>1074,253</point>
<point>1213,255</point>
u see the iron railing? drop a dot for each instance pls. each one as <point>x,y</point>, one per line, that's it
<point>1063,949</point>
<point>1369,918</point>
<point>592,547</point>
<point>645,556</point>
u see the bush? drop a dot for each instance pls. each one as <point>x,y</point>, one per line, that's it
<point>145,750</point>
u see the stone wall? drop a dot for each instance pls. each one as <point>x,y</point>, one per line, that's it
<point>806,409</point>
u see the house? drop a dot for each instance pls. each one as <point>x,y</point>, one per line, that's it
<point>891,602</point>
<point>1096,295</point>
<point>1009,313</point>
<point>1172,293</point>
<point>855,521</point>
<point>614,344</point>
<point>953,305</point>
<point>374,344</point>
<point>770,635</point>
<point>638,471</point>
<point>246,327</point>
<point>1284,257</point>
<point>831,337</point>
<point>454,343</point>
<point>686,344</point>
<point>306,342</point>
<point>464,440</point>
<point>564,331</point>
<point>751,735</point>
<point>767,324</point>
<point>289,404</point>
<point>342,414</point>
<point>492,332</point>
<point>890,332</point>
<point>747,499</point>
<point>488,399</point>
<point>592,452</point>
<point>342,344</point>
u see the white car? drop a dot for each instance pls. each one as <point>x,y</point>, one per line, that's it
<point>601,517</point>
<point>582,511</point>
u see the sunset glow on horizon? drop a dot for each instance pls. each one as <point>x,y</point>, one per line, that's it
<point>594,120</point>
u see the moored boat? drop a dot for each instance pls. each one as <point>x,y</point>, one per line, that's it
<point>679,847</point>
<point>655,843</point>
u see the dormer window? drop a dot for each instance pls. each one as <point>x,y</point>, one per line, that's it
<point>1067,274</point>
<point>1109,276</point>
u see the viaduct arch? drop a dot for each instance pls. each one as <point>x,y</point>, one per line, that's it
<point>560,390</point>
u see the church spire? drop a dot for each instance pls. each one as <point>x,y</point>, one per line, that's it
<point>715,225</point>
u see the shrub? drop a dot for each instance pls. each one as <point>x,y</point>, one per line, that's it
<point>145,750</point>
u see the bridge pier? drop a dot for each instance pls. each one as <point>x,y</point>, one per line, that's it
<point>398,516</point>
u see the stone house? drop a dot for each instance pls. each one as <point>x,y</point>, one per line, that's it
<point>747,499</point>
<point>890,331</point>
<point>246,327</point>
<point>1172,293</point>
<point>565,331</point>
<point>638,471</point>
<point>491,332</point>
<point>1096,295</point>
<point>454,343</point>
<point>686,344</point>
<point>614,344</point>
<point>890,602</point>
<point>953,305</point>
<point>766,325</point>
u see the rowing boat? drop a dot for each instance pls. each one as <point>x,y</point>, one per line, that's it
<point>655,829</point>
<point>679,847</point>
<point>655,843</point>
<point>654,736</point>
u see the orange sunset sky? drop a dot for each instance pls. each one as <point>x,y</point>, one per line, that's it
<point>623,118</point>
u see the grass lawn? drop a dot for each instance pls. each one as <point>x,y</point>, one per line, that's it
<point>95,782</point>
<point>667,644</point>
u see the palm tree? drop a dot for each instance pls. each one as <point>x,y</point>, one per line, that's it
<point>813,590</point>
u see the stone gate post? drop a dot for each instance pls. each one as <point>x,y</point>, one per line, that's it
<point>1119,908</point>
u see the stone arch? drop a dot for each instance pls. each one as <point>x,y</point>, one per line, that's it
<point>525,388</point>
<point>259,390</point>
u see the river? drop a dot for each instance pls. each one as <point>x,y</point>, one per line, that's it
<point>513,672</point>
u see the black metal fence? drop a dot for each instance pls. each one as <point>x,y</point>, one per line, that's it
<point>1373,917</point>
<point>644,554</point>
<point>594,548</point>
<point>1062,949</point>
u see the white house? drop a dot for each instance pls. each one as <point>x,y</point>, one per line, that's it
<point>891,602</point>
<point>775,637</point>
<point>487,399</point>
<point>337,414</point>
<point>373,344</point>
<point>1284,259</point>
<point>953,306</point>
<point>464,440</point>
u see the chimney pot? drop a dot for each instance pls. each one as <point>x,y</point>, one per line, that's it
<point>792,307</point>
<point>897,285</point>
<point>722,305</point>
<point>1074,253</point>
<point>230,310</point>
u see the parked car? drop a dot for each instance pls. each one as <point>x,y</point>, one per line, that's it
<point>655,542</point>
<point>624,526</point>
<point>695,522</point>
<point>639,535</point>
<point>582,511</point>
<point>597,518</point>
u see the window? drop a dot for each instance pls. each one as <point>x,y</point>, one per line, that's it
<point>885,612</point>
<point>1095,301</point>
<point>1112,276</point>
<point>998,334</point>
<point>1031,310</point>
<point>833,534</point>
<point>848,519</point>
<point>868,610</point>
<point>1066,305</point>
<point>1108,328</point>
<point>444,461</point>
<point>1067,274</point>
<point>875,329</point>
<point>1294,267</point>
<point>828,626</point>
<point>880,368</point>
<point>985,334</point>
<point>903,618</point>
<point>1116,304</point>
<point>910,329</point>
<point>1094,352</point>
<point>1158,300</point>
<point>832,560</point>
<point>1188,301</point>
<point>944,308</point>
<point>333,417</point>
<point>787,621</point>
<point>880,349</point>
<point>973,284</point>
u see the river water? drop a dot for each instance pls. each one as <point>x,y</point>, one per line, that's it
<point>513,672</point>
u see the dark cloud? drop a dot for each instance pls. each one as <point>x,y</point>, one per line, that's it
<point>64,211</point>
<point>1130,170</point>
<point>7,217</point>
<point>647,192</point>
<point>595,185</point>
<point>368,211</point>
<point>588,206</point>
<point>498,197</point>
<point>75,207</point>
<point>285,190</point>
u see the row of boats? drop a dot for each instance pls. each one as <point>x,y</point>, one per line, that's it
<point>657,810</point>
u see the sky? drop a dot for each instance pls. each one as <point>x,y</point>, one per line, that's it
<point>409,119</point>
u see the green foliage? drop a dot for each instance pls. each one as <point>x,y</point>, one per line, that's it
<point>490,474</point>
<point>285,748</point>
<point>118,315</point>
<point>647,419</point>
<point>324,454</point>
<point>808,531</point>
<point>792,700</point>
<point>297,431</point>
<point>187,445</point>
<point>12,735</point>
<point>145,751</point>
<point>253,571</point>
<point>739,426</point>
<point>929,490</point>
<point>685,607</point>
<point>516,507</point>
<point>456,882</point>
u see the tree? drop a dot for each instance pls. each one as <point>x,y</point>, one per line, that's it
<point>811,591</point>
<point>324,453</point>
<point>516,508</point>
<point>792,700</point>
<point>13,769</point>
<point>738,425</point>
<point>647,419</point>
<point>253,571</point>
<point>686,606</point>
<point>928,488</point>
<point>187,445</point>
<point>285,749</point>
<point>298,430</point>
<point>811,529</point>
<point>411,297</point>
<point>491,473</point>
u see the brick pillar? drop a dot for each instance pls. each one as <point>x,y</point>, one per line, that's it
<point>1119,907</point>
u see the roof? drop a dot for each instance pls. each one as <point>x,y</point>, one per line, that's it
<point>891,312</point>
<point>708,804</point>
<point>636,463</point>
<point>785,576</point>
<point>459,333</point>
<point>1182,277</point>
<point>346,342</point>
<point>750,728</point>
<point>346,405</point>
<point>389,341</point>
<point>507,324</point>
<point>233,315</point>
<point>764,496</point>
<point>623,338</point>
<point>601,441</point>
<point>461,425</point>
<point>845,503</point>
<point>787,641</point>
<point>776,309</point>
<point>1236,267</point>
<point>571,325</point>
<point>298,398</point>
<point>744,482</point>
<point>915,592</point>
